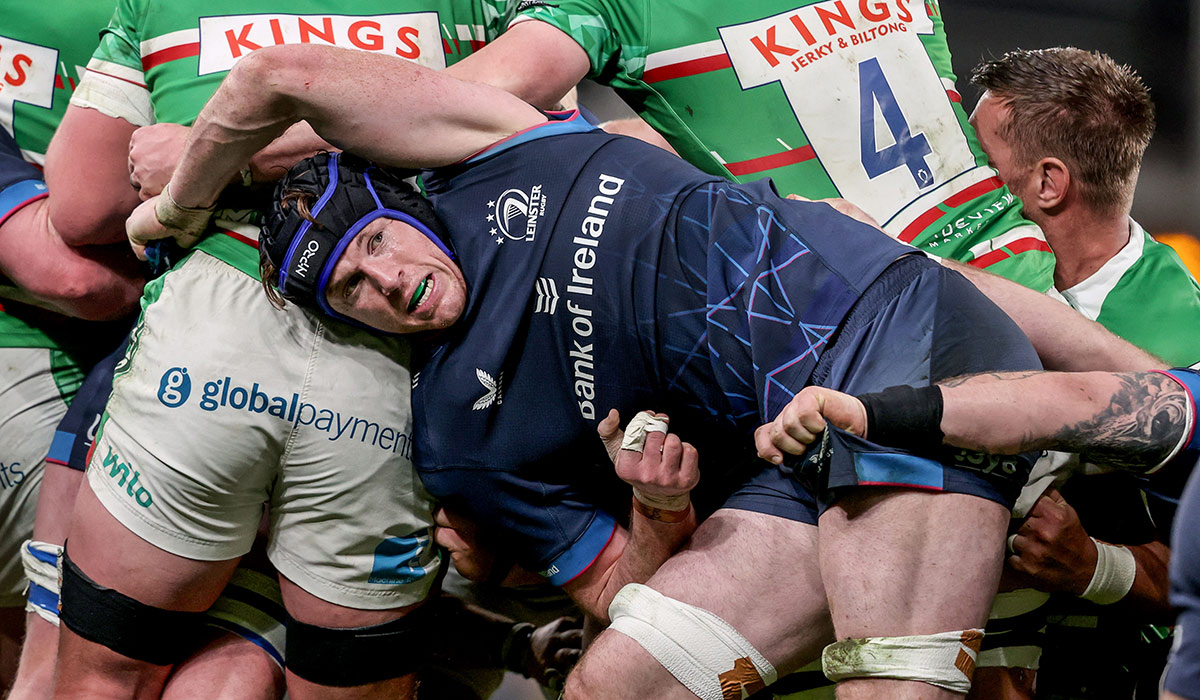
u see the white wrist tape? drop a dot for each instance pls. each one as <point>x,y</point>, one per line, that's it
<point>701,650</point>
<point>1116,569</point>
<point>945,660</point>
<point>190,220</point>
<point>43,567</point>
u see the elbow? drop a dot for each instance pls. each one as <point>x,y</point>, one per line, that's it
<point>91,291</point>
<point>78,224</point>
<point>103,298</point>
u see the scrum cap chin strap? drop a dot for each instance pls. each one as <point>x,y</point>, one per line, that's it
<point>353,193</point>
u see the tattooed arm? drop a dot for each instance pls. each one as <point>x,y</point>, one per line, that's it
<point>1132,420</point>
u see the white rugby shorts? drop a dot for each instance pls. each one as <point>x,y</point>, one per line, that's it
<point>224,403</point>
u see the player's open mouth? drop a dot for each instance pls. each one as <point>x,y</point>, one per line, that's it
<point>421,293</point>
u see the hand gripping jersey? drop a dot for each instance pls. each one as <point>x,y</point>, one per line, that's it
<point>830,98</point>
<point>176,56</point>
<point>1145,295</point>
<point>635,282</point>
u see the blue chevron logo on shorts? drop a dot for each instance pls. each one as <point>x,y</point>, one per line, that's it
<point>398,559</point>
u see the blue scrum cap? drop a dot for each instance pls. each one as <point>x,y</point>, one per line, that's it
<point>352,192</point>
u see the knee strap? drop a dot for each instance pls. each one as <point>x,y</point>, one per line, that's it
<point>124,625</point>
<point>945,660</point>
<point>701,650</point>
<point>43,568</point>
<point>344,657</point>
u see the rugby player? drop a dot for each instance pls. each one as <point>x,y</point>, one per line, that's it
<point>551,305</point>
<point>357,537</point>
<point>809,84</point>
<point>1143,422</point>
<point>1066,130</point>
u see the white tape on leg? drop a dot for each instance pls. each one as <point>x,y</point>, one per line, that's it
<point>43,567</point>
<point>945,660</point>
<point>642,423</point>
<point>702,651</point>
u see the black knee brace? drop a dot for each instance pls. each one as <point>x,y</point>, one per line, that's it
<point>358,655</point>
<point>128,627</point>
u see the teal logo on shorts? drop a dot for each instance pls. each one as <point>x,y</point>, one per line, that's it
<point>114,466</point>
<point>398,560</point>
<point>175,387</point>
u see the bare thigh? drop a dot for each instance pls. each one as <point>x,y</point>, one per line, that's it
<point>114,557</point>
<point>757,572</point>
<point>903,562</point>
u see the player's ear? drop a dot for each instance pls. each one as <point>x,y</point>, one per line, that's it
<point>1052,180</point>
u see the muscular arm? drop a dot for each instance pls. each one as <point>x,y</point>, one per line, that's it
<point>1131,420</point>
<point>91,282</point>
<point>1064,340</point>
<point>663,470</point>
<point>532,60</point>
<point>1121,420</point>
<point>390,111</point>
<point>86,170</point>
<point>632,556</point>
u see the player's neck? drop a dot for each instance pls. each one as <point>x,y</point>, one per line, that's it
<point>1082,242</point>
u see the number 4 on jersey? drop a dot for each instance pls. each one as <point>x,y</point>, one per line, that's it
<point>908,150</point>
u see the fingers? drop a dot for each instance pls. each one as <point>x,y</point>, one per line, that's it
<point>611,434</point>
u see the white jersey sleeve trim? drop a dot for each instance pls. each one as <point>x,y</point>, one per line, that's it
<point>1088,296</point>
<point>115,91</point>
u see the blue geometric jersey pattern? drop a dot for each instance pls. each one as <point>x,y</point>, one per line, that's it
<point>605,273</point>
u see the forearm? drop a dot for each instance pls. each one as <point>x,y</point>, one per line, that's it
<point>638,554</point>
<point>1148,596</point>
<point>1111,419</point>
<point>91,282</point>
<point>1064,340</point>
<point>393,112</point>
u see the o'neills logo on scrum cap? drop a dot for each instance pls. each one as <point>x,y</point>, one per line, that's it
<point>415,36</point>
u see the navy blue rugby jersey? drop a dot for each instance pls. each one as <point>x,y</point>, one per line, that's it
<point>603,273</point>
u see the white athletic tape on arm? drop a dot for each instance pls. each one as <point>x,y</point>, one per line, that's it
<point>43,574</point>
<point>114,97</point>
<point>701,650</point>
<point>642,423</point>
<point>1116,568</point>
<point>945,660</point>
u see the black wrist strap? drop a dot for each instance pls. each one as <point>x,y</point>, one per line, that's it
<point>906,417</point>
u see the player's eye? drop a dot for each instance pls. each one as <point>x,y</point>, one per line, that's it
<point>351,286</point>
<point>375,242</point>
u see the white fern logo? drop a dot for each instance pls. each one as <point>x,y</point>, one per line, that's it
<point>493,388</point>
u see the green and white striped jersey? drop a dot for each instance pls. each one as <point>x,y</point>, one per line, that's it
<point>830,98</point>
<point>1145,295</point>
<point>177,54</point>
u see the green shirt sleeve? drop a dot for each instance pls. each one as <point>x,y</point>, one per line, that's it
<point>119,41</point>
<point>612,34</point>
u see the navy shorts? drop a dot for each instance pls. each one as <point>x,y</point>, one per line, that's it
<point>77,429</point>
<point>917,324</point>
